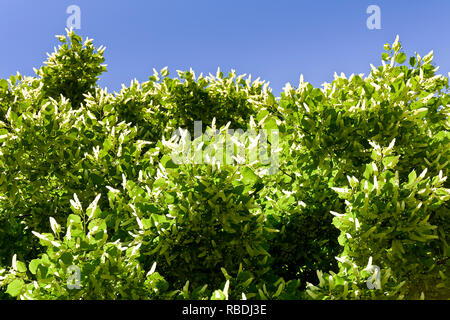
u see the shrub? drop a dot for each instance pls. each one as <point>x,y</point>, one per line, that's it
<point>107,270</point>
<point>373,152</point>
<point>352,283</point>
<point>392,223</point>
<point>197,219</point>
<point>72,70</point>
<point>161,105</point>
<point>330,135</point>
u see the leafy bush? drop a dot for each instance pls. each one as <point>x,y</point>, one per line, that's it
<point>352,282</point>
<point>107,270</point>
<point>72,70</point>
<point>333,133</point>
<point>199,219</point>
<point>391,222</point>
<point>358,179</point>
<point>161,105</point>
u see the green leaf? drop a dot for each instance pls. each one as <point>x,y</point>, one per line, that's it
<point>368,172</point>
<point>225,273</point>
<point>218,295</point>
<point>4,84</point>
<point>270,124</point>
<point>168,163</point>
<point>390,162</point>
<point>420,113</point>
<point>344,193</point>
<point>429,57</point>
<point>249,177</point>
<point>15,287</point>
<point>263,113</point>
<point>400,58</point>
<point>164,72</point>
<point>73,219</point>
<point>20,266</point>
<point>250,251</point>
<point>146,223</point>
<point>34,265</point>
<point>412,177</point>
<point>170,197</point>
<point>107,144</point>
<point>66,258</point>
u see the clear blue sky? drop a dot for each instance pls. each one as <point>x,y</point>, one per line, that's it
<point>276,40</point>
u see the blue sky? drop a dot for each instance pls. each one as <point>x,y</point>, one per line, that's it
<point>275,40</point>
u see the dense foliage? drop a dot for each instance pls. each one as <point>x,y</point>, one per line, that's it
<point>96,204</point>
